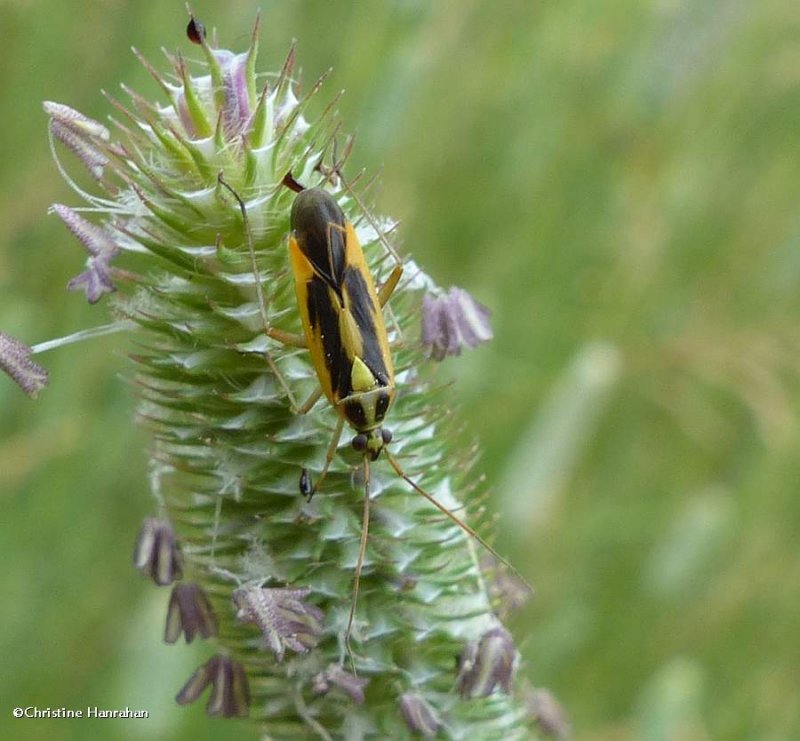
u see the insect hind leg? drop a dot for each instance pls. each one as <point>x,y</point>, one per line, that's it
<point>285,338</point>
<point>308,404</point>
<point>387,289</point>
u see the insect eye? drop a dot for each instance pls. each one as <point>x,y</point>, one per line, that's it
<point>386,435</point>
<point>359,443</point>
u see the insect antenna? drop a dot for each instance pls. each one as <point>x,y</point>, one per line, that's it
<point>362,550</point>
<point>454,518</point>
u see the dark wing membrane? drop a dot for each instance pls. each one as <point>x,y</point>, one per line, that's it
<point>323,315</point>
<point>361,306</point>
<point>319,227</point>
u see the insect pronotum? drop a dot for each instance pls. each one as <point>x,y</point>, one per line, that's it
<point>344,331</point>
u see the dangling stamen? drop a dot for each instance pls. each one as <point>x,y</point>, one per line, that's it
<point>84,334</point>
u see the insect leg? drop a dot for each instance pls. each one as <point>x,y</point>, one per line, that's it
<point>329,456</point>
<point>372,222</point>
<point>307,489</point>
<point>307,405</point>
<point>362,551</point>
<point>286,338</point>
<point>387,289</point>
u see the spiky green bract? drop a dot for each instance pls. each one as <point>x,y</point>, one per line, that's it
<point>227,450</point>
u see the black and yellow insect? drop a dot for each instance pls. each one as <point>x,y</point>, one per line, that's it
<point>341,315</point>
<point>344,331</point>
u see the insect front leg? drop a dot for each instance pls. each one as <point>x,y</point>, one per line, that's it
<point>329,456</point>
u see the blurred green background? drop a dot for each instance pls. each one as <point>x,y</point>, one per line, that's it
<point>619,181</point>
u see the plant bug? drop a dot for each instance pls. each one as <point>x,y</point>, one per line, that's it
<point>341,313</point>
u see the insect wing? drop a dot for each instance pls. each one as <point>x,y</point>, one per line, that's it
<point>361,300</point>
<point>315,300</point>
<point>341,318</point>
<point>319,228</point>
